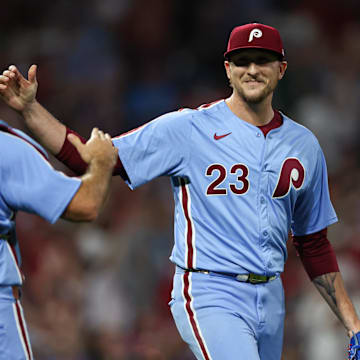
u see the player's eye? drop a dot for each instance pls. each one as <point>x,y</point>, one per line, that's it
<point>240,61</point>
<point>246,61</point>
<point>262,60</point>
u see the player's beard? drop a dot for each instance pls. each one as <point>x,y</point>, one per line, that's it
<point>257,97</point>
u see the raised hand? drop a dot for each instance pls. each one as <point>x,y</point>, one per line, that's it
<point>98,148</point>
<point>15,90</point>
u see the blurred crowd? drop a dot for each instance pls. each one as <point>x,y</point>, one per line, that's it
<point>100,291</point>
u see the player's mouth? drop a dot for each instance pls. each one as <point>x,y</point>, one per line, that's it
<point>253,82</point>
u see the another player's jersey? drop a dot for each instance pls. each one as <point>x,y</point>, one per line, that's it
<point>29,183</point>
<point>237,193</point>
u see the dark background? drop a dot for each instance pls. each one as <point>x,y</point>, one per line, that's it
<point>100,291</point>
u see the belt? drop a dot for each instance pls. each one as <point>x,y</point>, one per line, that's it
<point>249,278</point>
<point>16,290</point>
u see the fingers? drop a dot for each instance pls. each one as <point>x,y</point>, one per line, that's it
<point>5,78</point>
<point>13,70</point>
<point>3,82</point>
<point>102,135</point>
<point>96,133</point>
<point>76,142</point>
<point>98,148</point>
<point>8,79</point>
<point>32,74</point>
<point>14,74</point>
<point>10,74</point>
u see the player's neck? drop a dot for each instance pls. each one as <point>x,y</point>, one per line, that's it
<point>255,114</point>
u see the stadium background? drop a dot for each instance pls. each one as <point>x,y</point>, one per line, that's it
<point>100,291</point>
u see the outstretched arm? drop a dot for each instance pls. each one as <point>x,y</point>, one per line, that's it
<point>20,94</point>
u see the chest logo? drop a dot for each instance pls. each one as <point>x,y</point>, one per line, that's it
<point>292,174</point>
<point>218,137</point>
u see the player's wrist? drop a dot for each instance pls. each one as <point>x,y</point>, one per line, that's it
<point>353,331</point>
<point>29,107</point>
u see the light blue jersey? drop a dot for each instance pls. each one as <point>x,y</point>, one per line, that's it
<point>28,183</point>
<point>237,193</point>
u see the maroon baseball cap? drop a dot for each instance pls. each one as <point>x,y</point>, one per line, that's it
<point>255,36</point>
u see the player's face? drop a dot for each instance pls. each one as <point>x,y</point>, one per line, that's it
<point>254,74</point>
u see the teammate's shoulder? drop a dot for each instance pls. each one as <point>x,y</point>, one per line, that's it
<point>12,138</point>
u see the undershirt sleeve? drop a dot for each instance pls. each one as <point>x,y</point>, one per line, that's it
<point>69,156</point>
<point>316,253</point>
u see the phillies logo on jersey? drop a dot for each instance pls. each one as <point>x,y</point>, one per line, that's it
<point>255,33</point>
<point>292,174</point>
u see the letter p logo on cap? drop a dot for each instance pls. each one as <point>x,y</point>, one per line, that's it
<point>255,33</point>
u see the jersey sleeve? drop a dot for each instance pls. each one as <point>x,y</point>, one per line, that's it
<point>29,183</point>
<point>313,209</point>
<point>158,148</point>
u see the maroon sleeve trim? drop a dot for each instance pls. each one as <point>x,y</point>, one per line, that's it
<point>316,253</point>
<point>69,156</point>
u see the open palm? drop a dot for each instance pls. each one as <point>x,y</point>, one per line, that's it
<point>15,90</point>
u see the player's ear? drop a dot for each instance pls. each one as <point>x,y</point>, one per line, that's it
<point>282,69</point>
<point>227,68</point>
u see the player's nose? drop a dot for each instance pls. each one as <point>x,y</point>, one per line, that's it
<point>252,68</point>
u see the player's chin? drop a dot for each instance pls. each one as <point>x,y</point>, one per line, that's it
<point>254,96</point>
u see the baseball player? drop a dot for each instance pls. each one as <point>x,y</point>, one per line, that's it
<point>29,183</point>
<point>243,176</point>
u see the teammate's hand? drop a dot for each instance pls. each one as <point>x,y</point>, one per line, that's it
<point>15,90</point>
<point>354,347</point>
<point>99,148</point>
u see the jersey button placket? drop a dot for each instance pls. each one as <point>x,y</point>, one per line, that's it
<point>262,204</point>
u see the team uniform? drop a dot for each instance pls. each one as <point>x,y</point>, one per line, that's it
<point>27,183</point>
<point>237,196</point>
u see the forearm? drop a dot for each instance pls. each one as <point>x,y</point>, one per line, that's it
<point>91,196</point>
<point>45,127</point>
<point>332,289</point>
